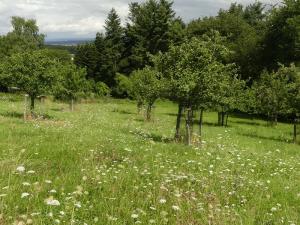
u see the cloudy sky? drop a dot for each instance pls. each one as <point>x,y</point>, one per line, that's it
<point>64,19</point>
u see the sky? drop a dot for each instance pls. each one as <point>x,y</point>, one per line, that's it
<point>76,19</point>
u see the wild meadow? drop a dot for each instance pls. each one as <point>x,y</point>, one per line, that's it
<point>104,164</point>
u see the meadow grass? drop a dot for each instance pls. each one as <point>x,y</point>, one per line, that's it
<point>103,164</point>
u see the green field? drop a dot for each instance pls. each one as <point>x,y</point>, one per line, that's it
<point>103,164</point>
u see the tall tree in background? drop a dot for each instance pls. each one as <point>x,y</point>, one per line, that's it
<point>25,36</point>
<point>113,48</point>
<point>86,57</point>
<point>149,31</point>
<point>283,35</point>
<point>243,38</point>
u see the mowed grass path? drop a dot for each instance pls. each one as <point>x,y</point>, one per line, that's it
<point>102,164</point>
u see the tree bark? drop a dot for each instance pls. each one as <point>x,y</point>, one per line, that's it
<point>295,131</point>
<point>223,119</point>
<point>226,123</point>
<point>72,105</point>
<point>148,113</point>
<point>189,128</point>
<point>200,122</point>
<point>32,104</point>
<point>179,115</point>
<point>219,118</point>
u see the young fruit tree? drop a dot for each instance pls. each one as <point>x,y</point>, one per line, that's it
<point>293,75</point>
<point>229,93</point>
<point>271,92</point>
<point>32,72</point>
<point>71,84</point>
<point>145,88</point>
<point>191,74</point>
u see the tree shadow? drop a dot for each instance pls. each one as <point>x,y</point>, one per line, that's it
<point>21,115</point>
<point>251,123</point>
<point>57,109</point>
<point>155,137</point>
<point>277,139</point>
<point>171,114</point>
<point>13,115</point>
<point>123,112</point>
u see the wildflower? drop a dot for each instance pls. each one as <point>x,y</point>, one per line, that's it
<point>162,201</point>
<point>24,195</point>
<point>21,169</point>
<point>78,205</point>
<point>30,171</point>
<point>175,207</point>
<point>52,202</point>
<point>273,209</point>
<point>134,216</point>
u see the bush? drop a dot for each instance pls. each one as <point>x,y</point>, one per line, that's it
<point>101,89</point>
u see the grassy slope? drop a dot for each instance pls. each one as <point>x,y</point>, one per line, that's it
<point>107,165</point>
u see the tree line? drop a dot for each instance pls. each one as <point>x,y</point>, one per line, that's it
<point>244,58</point>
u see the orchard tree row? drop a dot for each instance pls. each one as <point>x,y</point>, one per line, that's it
<point>26,65</point>
<point>259,36</point>
<point>197,76</point>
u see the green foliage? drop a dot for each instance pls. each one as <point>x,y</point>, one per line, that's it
<point>244,32</point>
<point>71,83</point>
<point>191,71</point>
<point>282,40</point>
<point>61,55</point>
<point>24,37</point>
<point>273,92</point>
<point>101,89</point>
<point>86,57</point>
<point>113,47</point>
<point>123,85</point>
<point>150,30</point>
<point>32,72</point>
<point>145,85</point>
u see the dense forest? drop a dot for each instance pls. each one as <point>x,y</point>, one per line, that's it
<point>243,59</point>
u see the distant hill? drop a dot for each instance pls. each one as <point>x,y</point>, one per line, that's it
<point>67,42</point>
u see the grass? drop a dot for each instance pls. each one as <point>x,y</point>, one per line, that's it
<point>105,165</point>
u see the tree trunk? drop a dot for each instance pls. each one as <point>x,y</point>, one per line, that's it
<point>200,122</point>
<point>223,119</point>
<point>295,131</point>
<point>32,101</point>
<point>275,119</point>
<point>179,115</point>
<point>139,107</point>
<point>148,113</point>
<point>189,126</point>
<point>226,123</point>
<point>72,105</point>
<point>219,118</point>
<point>25,106</point>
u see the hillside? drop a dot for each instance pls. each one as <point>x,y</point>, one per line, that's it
<point>103,164</point>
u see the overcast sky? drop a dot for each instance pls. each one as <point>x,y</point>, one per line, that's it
<point>65,19</point>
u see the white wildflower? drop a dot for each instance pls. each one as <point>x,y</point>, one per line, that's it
<point>134,216</point>
<point>21,169</point>
<point>162,201</point>
<point>52,202</point>
<point>175,207</point>
<point>24,195</point>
